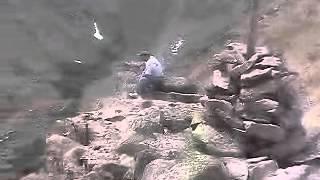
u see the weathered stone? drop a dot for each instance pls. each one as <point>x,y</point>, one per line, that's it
<point>303,172</point>
<point>185,98</point>
<point>149,123</point>
<point>179,85</point>
<point>267,132</point>
<point>222,105</point>
<point>255,76</point>
<point>217,143</point>
<point>267,90</point>
<point>73,156</point>
<point>176,119</point>
<point>220,81</point>
<point>132,145</point>
<point>200,167</point>
<point>142,159</point>
<point>237,168</point>
<point>257,117</point>
<point>262,169</point>
<point>269,61</point>
<point>57,145</point>
<point>110,171</point>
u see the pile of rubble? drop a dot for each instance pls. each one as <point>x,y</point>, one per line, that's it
<point>257,100</point>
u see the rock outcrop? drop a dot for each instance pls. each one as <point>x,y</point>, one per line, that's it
<point>265,108</point>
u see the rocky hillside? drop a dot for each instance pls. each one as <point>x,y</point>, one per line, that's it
<point>240,129</point>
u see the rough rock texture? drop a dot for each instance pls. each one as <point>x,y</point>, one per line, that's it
<point>266,111</point>
<point>179,85</point>
<point>262,169</point>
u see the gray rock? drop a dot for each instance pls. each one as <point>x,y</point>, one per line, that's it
<point>217,143</point>
<point>200,167</point>
<point>268,89</point>
<point>176,119</point>
<point>179,85</point>
<point>220,81</point>
<point>267,132</point>
<point>132,145</point>
<point>185,98</point>
<point>72,158</point>
<point>262,169</point>
<point>237,168</point>
<point>110,171</point>
<point>255,76</point>
<point>142,159</point>
<point>213,104</point>
<point>303,172</point>
<point>269,61</point>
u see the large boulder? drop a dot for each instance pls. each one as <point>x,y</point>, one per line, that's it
<point>199,167</point>
<point>179,85</point>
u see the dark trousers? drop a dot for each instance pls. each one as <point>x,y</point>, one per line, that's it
<point>149,84</point>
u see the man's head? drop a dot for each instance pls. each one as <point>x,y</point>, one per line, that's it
<point>144,55</point>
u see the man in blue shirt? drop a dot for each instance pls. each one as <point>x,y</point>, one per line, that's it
<point>151,77</point>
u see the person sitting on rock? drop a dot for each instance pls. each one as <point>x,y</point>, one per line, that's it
<point>151,77</point>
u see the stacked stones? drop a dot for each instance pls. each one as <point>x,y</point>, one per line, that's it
<point>255,97</point>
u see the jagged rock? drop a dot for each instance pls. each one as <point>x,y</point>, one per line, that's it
<point>142,159</point>
<point>179,85</point>
<point>73,156</point>
<point>146,104</point>
<point>221,112</point>
<point>268,90</point>
<point>262,169</point>
<point>255,76</point>
<point>132,145</point>
<point>110,171</point>
<point>217,143</point>
<point>57,144</point>
<point>269,61</point>
<point>176,119</point>
<point>267,132</point>
<point>200,167</point>
<point>303,172</point>
<point>220,81</point>
<point>237,168</point>
<point>149,123</point>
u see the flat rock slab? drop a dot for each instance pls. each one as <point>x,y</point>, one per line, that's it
<point>255,76</point>
<point>267,89</point>
<point>179,85</point>
<point>262,169</point>
<point>268,132</point>
<point>213,104</point>
<point>269,61</point>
